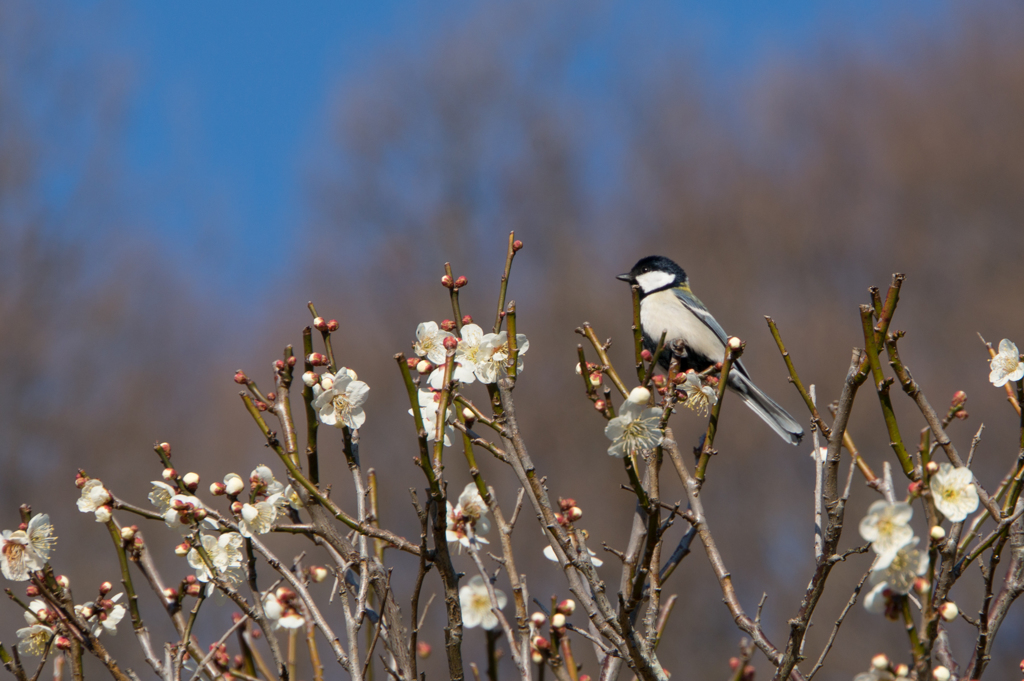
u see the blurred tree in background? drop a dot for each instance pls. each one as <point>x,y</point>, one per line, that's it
<point>785,196</point>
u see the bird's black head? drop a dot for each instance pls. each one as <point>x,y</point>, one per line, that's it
<point>654,273</point>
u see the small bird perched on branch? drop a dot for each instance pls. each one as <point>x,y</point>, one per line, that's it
<point>667,305</point>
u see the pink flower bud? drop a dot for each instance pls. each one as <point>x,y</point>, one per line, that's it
<point>128,532</point>
<point>600,405</point>
<point>937,533</point>
<point>218,489</point>
<point>959,399</point>
<point>962,415</point>
<point>316,359</point>
<point>139,541</point>
<point>412,362</point>
<point>932,468</point>
<point>566,503</point>
<point>182,549</point>
<point>165,447</point>
<point>470,417</point>
<point>914,488</point>
<point>190,579</point>
<point>448,325</point>
<point>262,406</point>
<point>446,281</point>
<point>199,514</point>
<point>62,643</point>
<point>87,611</point>
<point>450,343</point>
<point>169,474</point>
<point>103,513</point>
<point>63,581</point>
<point>332,325</point>
<point>31,590</point>
<point>940,673</point>
<point>320,324</point>
<point>460,282</point>
<point>423,649</point>
<point>536,657</point>
<point>948,611</point>
<point>424,367</point>
<point>880,662</point>
<point>292,361</point>
<point>241,378</point>
<point>646,355</point>
<point>279,365</point>
<point>558,620</point>
<point>596,378</point>
<point>574,514</point>
<point>310,379</point>
<point>567,607</point>
<point>538,619</point>
<point>540,643</point>
<point>735,344</point>
<point>318,573</point>
<point>272,396</point>
<point>191,481</point>
<point>902,670</point>
<point>517,246</point>
<point>80,480</point>
<point>105,588</point>
<point>236,507</point>
<point>194,589</point>
<point>467,319</point>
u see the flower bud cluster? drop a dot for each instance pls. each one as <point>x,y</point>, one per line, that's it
<point>570,511</point>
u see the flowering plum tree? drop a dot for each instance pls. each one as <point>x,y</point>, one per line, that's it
<point>364,626</point>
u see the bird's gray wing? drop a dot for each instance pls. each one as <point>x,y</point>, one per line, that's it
<point>693,304</point>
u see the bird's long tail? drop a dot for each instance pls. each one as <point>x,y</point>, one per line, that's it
<point>765,407</point>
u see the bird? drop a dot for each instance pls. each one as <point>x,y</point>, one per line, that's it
<point>667,305</point>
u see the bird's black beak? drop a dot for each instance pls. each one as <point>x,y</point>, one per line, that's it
<point>625,277</point>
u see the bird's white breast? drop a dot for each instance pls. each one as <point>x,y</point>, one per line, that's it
<point>663,312</point>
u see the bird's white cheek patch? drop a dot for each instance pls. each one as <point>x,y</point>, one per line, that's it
<point>652,281</point>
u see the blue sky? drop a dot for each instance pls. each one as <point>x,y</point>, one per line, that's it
<point>230,98</point>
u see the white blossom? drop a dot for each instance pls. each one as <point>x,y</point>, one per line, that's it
<point>429,406</point>
<point>476,604</point>
<point>280,608</point>
<point>430,342</point>
<point>468,520</point>
<point>25,551</point>
<point>466,355</point>
<point>262,481</point>
<point>233,484</point>
<point>494,352</point>
<point>93,496</point>
<point>1006,365</point>
<point>699,397</point>
<point>549,553</point>
<point>341,404</point>
<point>292,498</point>
<point>259,518</point>
<point>907,565</point>
<point>635,429</point>
<point>102,619</point>
<point>953,492</point>
<point>886,527</point>
<point>160,495</point>
<point>225,554</point>
<point>34,639</point>
<point>179,514</point>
